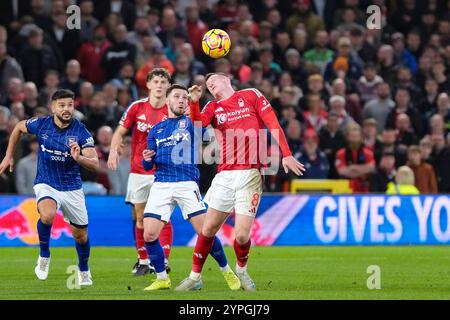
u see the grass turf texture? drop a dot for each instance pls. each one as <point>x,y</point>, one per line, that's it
<point>407,272</point>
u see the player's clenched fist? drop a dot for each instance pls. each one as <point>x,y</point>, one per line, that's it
<point>148,154</point>
<point>75,151</point>
<point>195,93</point>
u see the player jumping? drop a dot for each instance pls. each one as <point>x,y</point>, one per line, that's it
<point>238,184</point>
<point>142,115</point>
<point>64,145</point>
<point>171,149</point>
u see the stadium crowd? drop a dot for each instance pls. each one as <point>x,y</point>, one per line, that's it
<point>355,103</point>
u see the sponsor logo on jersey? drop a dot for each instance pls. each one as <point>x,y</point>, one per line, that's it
<point>45,136</point>
<point>219,109</point>
<point>233,115</point>
<point>142,117</point>
<point>221,118</point>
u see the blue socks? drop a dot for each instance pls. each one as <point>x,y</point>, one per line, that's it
<point>156,255</point>
<point>83,251</point>
<point>218,254</point>
<point>44,231</point>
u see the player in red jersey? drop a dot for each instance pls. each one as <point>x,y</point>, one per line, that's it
<point>141,116</point>
<point>238,183</point>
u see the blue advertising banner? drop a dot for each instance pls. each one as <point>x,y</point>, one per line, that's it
<point>281,220</point>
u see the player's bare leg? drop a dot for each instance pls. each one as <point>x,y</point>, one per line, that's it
<point>218,254</point>
<point>152,231</point>
<point>143,268</point>
<point>47,210</point>
<point>243,227</point>
<point>205,241</point>
<point>80,234</point>
<point>133,218</point>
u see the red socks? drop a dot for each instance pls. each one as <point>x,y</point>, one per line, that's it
<point>242,251</point>
<point>166,239</point>
<point>202,248</point>
<point>140,243</point>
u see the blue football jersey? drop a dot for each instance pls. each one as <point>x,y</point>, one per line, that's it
<point>56,167</point>
<point>175,142</point>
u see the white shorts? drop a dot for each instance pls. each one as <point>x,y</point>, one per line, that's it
<point>164,196</point>
<point>236,189</point>
<point>71,203</point>
<point>138,188</point>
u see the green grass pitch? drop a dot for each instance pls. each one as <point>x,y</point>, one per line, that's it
<point>407,272</point>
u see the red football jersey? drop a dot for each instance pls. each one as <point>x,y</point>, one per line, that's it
<point>239,120</point>
<point>141,116</point>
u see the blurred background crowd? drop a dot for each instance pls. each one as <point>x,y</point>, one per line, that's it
<point>354,103</point>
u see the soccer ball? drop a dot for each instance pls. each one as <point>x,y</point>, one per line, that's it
<point>216,43</point>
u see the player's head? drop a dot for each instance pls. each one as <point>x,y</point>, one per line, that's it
<point>177,99</point>
<point>216,83</point>
<point>158,80</point>
<point>62,105</point>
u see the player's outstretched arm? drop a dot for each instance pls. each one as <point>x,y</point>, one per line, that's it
<point>8,160</point>
<point>195,93</point>
<point>116,142</point>
<point>88,159</point>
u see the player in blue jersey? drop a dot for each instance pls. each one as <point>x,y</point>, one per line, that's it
<point>64,145</point>
<point>171,149</point>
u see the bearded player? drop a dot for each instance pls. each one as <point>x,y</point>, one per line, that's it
<point>141,116</point>
<point>238,183</point>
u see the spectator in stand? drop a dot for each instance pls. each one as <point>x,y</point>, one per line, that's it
<point>26,170</point>
<point>440,161</point>
<point>331,140</point>
<point>386,62</point>
<point>140,31</point>
<point>30,101</point>
<point>296,68</point>
<point>367,84</point>
<point>384,174</point>
<point>281,45</point>
<point>404,105</point>
<point>195,27</point>
<point>443,109</point>
<point>315,86</point>
<point>169,26</point>
<point>343,61</point>
<point>304,15</point>
<point>86,93</point>
<point>88,21</point>
<point>425,178</point>
<point>316,116</point>
<point>361,47</point>
<point>405,133</point>
<point>9,68</point>
<point>293,135</point>
<point>439,72</point>
<point>182,74</point>
<point>119,52</point>
<point>67,40</point>
<point>437,125</point>
<point>90,56</point>
<point>380,107</point>
<point>125,78</point>
<point>157,60</point>
<point>288,113</point>
<point>370,132</point>
<point>337,104</point>
<point>51,84</point>
<point>14,92</point>
<point>37,58</point>
<point>286,98</point>
<point>72,79</point>
<point>118,179</point>
<point>404,79</point>
<point>355,162</point>
<point>103,139</point>
<point>97,113</point>
<point>352,101</point>
<point>239,69</point>
<point>404,182</point>
<point>402,54</point>
<point>314,160</point>
<point>271,70</point>
<point>429,100</point>
<point>320,54</point>
<point>426,149</point>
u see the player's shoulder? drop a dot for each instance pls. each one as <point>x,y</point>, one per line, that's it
<point>38,120</point>
<point>250,92</point>
<point>210,105</point>
<point>137,104</point>
<point>78,124</point>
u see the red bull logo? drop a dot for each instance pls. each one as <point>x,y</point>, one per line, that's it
<point>20,223</point>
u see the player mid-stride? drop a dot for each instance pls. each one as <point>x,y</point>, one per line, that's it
<point>64,145</point>
<point>238,183</point>
<point>141,116</point>
<point>171,149</point>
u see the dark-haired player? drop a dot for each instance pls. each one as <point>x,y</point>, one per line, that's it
<point>64,145</point>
